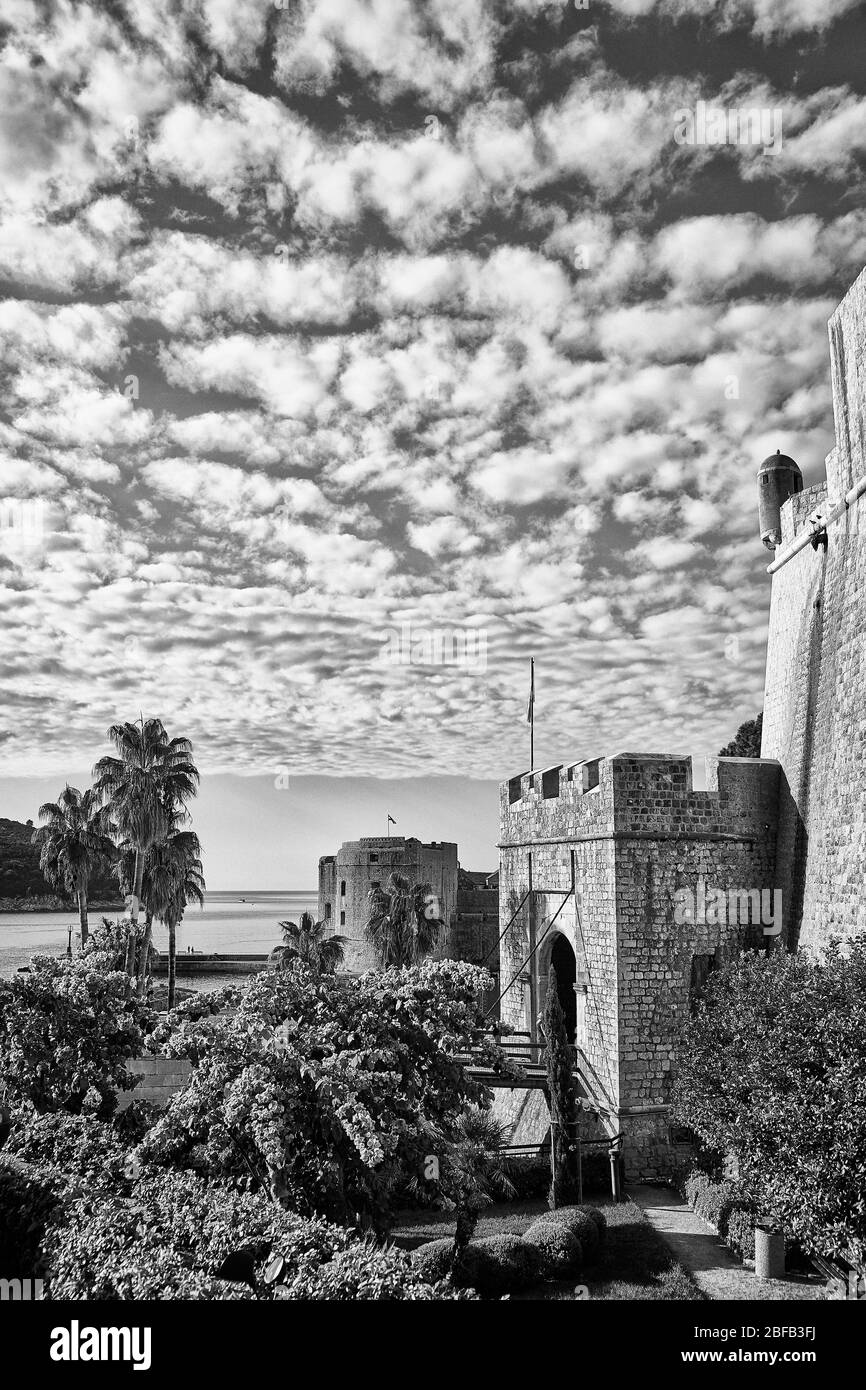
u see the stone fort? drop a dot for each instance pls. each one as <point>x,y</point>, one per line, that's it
<point>468,902</point>
<point>600,859</point>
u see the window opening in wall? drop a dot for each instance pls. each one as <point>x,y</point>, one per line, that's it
<point>374,858</point>
<point>327,912</point>
<point>342,919</point>
<point>342,888</point>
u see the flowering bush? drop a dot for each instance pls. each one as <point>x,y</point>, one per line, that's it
<point>170,1236</point>
<point>329,1092</point>
<point>773,1071</point>
<point>28,1203</point>
<point>80,1151</point>
<point>67,1030</point>
<point>190,1029</point>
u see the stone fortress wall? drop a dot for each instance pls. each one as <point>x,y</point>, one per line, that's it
<point>815,697</point>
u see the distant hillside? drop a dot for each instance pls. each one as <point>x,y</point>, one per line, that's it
<point>19,869</point>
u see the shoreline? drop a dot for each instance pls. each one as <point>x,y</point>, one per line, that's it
<point>10,906</point>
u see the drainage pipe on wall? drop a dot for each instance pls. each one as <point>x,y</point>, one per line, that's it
<point>821,524</point>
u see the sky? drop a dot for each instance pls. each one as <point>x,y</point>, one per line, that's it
<point>352,352</point>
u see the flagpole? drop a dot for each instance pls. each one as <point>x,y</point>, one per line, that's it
<point>531,713</point>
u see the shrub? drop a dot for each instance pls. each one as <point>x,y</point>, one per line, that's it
<point>741,1232</point>
<point>560,1250</point>
<point>505,1264</point>
<point>715,1204</point>
<point>600,1222</point>
<point>581,1224</point>
<point>335,1114</point>
<point>364,1271</point>
<point>82,1152</point>
<point>530,1176</point>
<point>771,1070</point>
<point>169,1239</point>
<point>696,1185</point>
<point>432,1261</point>
<point>28,1204</point>
<point>67,1030</point>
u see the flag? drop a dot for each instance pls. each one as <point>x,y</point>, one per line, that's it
<point>530,708</point>
<point>391,820</point>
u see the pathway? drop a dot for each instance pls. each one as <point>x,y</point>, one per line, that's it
<point>715,1270</point>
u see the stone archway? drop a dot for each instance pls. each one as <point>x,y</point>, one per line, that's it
<point>563,960</point>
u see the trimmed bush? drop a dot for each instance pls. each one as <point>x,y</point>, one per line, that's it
<point>363,1272</point>
<point>432,1260</point>
<point>505,1264</point>
<point>494,1265</point>
<point>600,1222</point>
<point>741,1232</point>
<point>561,1252</point>
<point>581,1224</point>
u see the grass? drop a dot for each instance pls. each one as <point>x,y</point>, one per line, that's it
<point>635,1263</point>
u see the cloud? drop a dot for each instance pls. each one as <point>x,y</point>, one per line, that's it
<point>324,319</point>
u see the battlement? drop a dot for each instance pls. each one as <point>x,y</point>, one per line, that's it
<point>643,793</point>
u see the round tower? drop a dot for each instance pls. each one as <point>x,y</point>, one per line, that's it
<point>778,479</point>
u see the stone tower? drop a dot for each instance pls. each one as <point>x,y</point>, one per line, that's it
<point>815,691</point>
<point>345,879</point>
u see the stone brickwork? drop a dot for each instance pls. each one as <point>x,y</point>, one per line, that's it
<point>158,1079</point>
<point>632,833</point>
<point>815,694</point>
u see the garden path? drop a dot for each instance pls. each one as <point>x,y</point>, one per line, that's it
<point>715,1270</point>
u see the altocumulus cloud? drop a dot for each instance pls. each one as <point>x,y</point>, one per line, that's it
<point>322,321</point>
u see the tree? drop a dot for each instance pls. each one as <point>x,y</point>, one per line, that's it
<point>565,1184</point>
<point>747,743</point>
<point>772,1069</point>
<point>74,842</point>
<point>474,1173</point>
<point>176,878</point>
<point>151,774</point>
<point>307,941</point>
<point>399,925</point>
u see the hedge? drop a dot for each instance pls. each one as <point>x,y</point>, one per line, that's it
<point>560,1250</point>
<point>580,1222</point>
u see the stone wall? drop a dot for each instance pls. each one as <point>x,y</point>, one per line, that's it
<point>635,838</point>
<point>815,693</point>
<point>158,1079</point>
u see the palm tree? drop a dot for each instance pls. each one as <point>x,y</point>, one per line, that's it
<point>475,1172</point>
<point>151,776</point>
<point>176,878</point>
<point>75,841</point>
<point>306,941</point>
<point>161,863</point>
<point>396,923</point>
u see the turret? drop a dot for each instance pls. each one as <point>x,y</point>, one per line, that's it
<point>778,479</point>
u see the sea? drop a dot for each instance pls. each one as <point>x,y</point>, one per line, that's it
<point>242,921</point>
